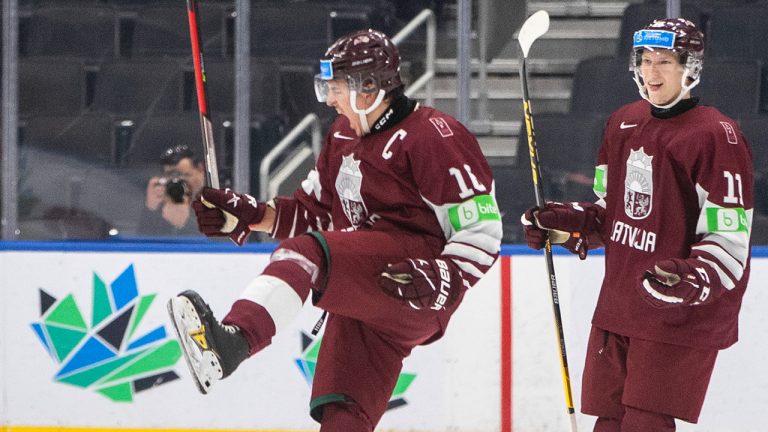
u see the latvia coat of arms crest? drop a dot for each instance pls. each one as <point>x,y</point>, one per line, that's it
<point>348,184</point>
<point>638,185</point>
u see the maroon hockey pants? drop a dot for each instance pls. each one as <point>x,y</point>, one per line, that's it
<point>637,385</point>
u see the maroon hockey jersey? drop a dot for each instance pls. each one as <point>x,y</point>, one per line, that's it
<point>425,174</point>
<point>672,188</point>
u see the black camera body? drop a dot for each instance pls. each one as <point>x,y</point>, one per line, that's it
<point>175,187</point>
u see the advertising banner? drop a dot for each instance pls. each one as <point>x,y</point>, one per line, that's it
<point>86,344</point>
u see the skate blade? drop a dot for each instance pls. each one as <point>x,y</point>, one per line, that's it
<point>203,365</point>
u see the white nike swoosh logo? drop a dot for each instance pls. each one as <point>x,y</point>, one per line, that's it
<point>340,136</point>
<point>627,126</point>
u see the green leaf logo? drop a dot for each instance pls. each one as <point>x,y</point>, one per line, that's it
<point>106,355</point>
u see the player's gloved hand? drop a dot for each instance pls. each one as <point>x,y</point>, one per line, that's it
<point>221,212</point>
<point>433,283</point>
<point>676,282</point>
<point>564,224</point>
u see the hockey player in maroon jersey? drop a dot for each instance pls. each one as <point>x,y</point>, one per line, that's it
<point>674,213</point>
<point>395,223</point>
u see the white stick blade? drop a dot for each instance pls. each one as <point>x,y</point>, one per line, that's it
<point>532,29</point>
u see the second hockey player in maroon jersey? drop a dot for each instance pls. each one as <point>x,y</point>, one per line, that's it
<point>674,213</point>
<point>395,223</point>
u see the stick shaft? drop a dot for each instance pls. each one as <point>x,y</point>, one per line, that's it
<point>536,173</point>
<point>206,126</point>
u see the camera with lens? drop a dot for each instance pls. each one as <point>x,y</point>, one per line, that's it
<point>175,187</point>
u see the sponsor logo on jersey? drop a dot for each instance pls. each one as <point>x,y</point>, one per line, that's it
<point>638,185</point>
<point>727,220</point>
<point>442,126</point>
<point>476,209</point>
<point>633,237</point>
<point>729,133</point>
<point>348,184</point>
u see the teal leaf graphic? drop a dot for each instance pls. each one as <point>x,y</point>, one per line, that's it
<point>105,357</point>
<point>308,362</point>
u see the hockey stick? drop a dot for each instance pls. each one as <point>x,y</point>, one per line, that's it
<point>212,169</point>
<point>533,28</point>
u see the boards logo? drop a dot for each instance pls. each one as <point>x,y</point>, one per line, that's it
<point>106,356</point>
<point>308,362</point>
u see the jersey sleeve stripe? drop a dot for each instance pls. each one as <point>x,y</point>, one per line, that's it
<point>468,268</point>
<point>724,279</point>
<point>721,257</point>
<point>735,244</point>
<point>468,252</point>
<point>483,239</point>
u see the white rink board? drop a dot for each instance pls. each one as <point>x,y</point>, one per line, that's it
<point>266,392</point>
<point>457,385</point>
<point>736,399</point>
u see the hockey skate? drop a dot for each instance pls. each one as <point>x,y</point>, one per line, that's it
<point>212,350</point>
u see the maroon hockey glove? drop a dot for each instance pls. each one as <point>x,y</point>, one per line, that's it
<point>433,284</point>
<point>565,224</point>
<point>676,282</point>
<point>221,212</point>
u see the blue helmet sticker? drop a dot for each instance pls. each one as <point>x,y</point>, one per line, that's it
<point>326,69</point>
<point>654,38</point>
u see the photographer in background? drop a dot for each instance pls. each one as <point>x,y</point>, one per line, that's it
<point>167,210</point>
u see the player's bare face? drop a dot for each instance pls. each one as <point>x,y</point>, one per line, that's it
<point>338,99</point>
<point>662,74</point>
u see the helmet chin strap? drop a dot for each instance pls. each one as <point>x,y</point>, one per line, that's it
<point>362,114</point>
<point>684,89</point>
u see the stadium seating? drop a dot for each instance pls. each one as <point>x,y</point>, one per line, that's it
<point>755,129</point>
<point>514,194</point>
<point>602,84</point>
<point>51,86</point>
<point>86,137</point>
<point>732,86</point>
<point>305,33</point>
<point>738,32</point>
<point>80,31</point>
<point>567,146</point>
<point>148,86</point>
<point>141,139</point>
<point>264,86</point>
<point>163,31</point>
